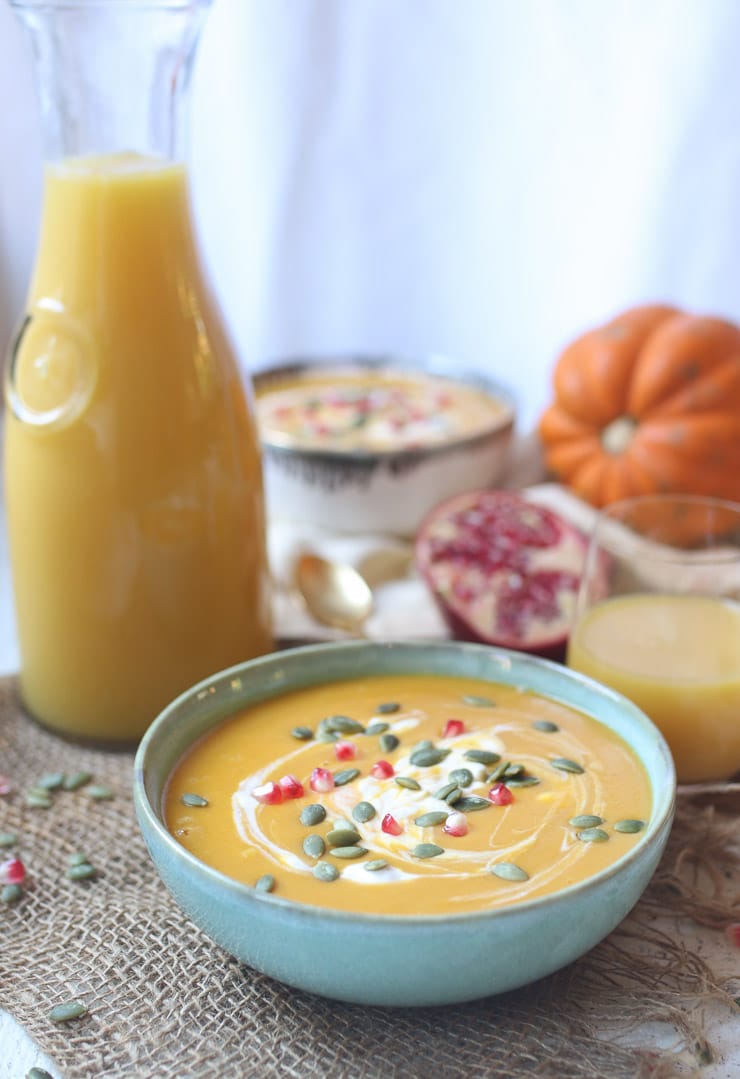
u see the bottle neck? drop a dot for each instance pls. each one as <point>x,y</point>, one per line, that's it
<point>113,75</point>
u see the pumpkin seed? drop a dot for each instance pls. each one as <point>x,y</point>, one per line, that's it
<point>348,852</point>
<point>314,845</point>
<point>99,792</point>
<point>303,734</point>
<point>478,702</point>
<point>563,764</point>
<point>427,850</point>
<point>8,839</point>
<point>327,736</point>
<point>545,725</point>
<point>593,835</point>
<point>10,893</point>
<point>482,756</point>
<point>522,781</point>
<point>389,742</point>
<point>266,883</point>
<point>377,728</point>
<point>312,814</point>
<point>454,796</point>
<point>509,871</point>
<point>471,802</point>
<point>425,743</point>
<point>76,780</point>
<point>364,811</point>
<point>38,1073</point>
<point>387,708</point>
<point>70,1009</point>
<point>83,871</point>
<point>325,871</point>
<point>585,820</point>
<point>461,777</point>
<point>428,757</point>
<point>407,782</point>
<point>52,781</point>
<point>514,770</point>
<point>375,864</point>
<point>498,772</point>
<point>77,858</point>
<point>428,820</point>
<point>345,775</point>
<point>342,724</point>
<point>194,800</point>
<point>447,789</point>
<point>629,825</point>
<point>342,837</point>
<point>37,800</point>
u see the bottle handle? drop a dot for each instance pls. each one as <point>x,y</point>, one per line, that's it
<point>51,372</point>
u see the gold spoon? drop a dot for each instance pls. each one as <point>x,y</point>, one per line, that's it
<point>335,593</point>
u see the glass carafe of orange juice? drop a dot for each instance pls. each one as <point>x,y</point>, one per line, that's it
<point>132,465</point>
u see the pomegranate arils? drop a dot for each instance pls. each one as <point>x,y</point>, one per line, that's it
<point>390,825</point>
<point>291,787</point>
<point>456,825</point>
<point>500,795</point>
<point>268,793</point>
<point>321,780</point>
<point>382,770</point>
<point>345,751</point>
<point>453,728</point>
<point>12,871</point>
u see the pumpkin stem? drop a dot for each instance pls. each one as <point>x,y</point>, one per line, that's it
<point>617,435</point>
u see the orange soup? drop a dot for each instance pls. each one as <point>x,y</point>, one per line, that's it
<point>407,794</point>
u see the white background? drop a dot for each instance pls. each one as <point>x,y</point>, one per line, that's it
<point>484,178</point>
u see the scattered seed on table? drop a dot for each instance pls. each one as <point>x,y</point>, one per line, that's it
<point>81,871</point>
<point>408,783</point>
<point>586,820</point>
<point>509,871</point>
<point>354,851</point>
<point>545,725</point>
<point>38,1073</point>
<point>363,812</point>
<point>70,1009</point>
<point>38,799</point>
<point>377,728</point>
<point>52,781</point>
<point>77,858</point>
<point>345,775</point>
<point>387,708</point>
<point>375,864</point>
<point>266,883</point>
<point>629,825</point>
<point>325,871</point>
<point>427,850</point>
<point>76,780</point>
<point>432,818</point>
<point>593,835</point>
<point>314,845</point>
<point>303,734</point>
<point>312,814</point>
<point>10,893</point>
<point>389,742</point>
<point>99,792</point>
<point>564,764</point>
<point>8,839</point>
<point>195,801</point>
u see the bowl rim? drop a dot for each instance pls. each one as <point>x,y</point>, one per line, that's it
<point>657,827</point>
<point>435,364</point>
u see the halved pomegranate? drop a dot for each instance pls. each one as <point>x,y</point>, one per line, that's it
<point>502,570</point>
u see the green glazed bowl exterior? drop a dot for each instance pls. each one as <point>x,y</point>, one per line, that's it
<point>394,960</point>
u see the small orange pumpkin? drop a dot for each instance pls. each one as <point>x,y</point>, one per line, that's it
<point>649,402</point>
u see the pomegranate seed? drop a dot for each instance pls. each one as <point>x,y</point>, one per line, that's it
<point>500,795</point>
<point>291,787</point>
<point>12,871</point>
<point>6,785</point>
<point>345,751</point>
<point>453,728</point>
<point>456,824</point>
<point>390,825</point>
<point>382,770</point>
<point>269,794</point>
<point>322,780</point>
<point>732,932</point>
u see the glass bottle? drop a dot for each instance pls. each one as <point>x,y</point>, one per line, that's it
<point>132,466</point>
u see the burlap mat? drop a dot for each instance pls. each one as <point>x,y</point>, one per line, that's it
<point>163,1001</point>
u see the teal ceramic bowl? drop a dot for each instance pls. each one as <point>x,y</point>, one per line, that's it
<point>398,960</point>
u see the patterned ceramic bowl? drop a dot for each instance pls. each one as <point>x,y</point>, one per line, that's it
<point>384,959</point>
<point>371,443</point>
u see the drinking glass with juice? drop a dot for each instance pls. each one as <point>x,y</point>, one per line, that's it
<point>665,630</point>
<point>132,465</point>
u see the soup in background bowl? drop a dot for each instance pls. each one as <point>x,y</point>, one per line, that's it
<point>370,443</point>
<point>399,804</point>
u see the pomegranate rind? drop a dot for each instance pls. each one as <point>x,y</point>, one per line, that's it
<point>502,570</point>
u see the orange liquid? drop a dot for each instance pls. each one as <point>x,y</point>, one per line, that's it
<point>678,659</point>
<point>135,514</point>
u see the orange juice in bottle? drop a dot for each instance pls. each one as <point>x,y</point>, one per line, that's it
<point>132,465</point>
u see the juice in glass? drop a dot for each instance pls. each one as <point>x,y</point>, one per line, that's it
<point>677,657</point>
<point>132,466</point>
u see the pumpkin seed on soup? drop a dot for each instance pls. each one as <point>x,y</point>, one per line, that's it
<point>325,871</point>
<point>564,764</point>
<point>387,708</point>
<point>629,825</point>
<point>363,812</point>
<point>586,820</point>
<point>545,725</point>
<point>478,702</point>
<point>312,814</point>
<point>509,871</point>
<point>593,835</point>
